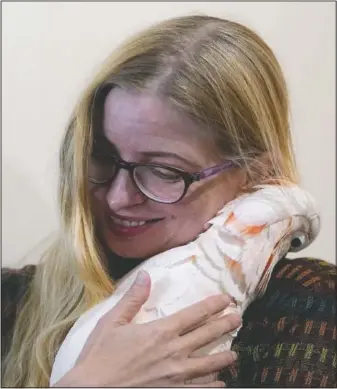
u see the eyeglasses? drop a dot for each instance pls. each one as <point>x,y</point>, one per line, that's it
<point>160,183</point>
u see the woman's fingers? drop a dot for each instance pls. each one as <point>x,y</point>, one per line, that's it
<point>123,312</point>
<point>209,332</point>
<point>203,366</point>
<point>197,314</point>
<point>130,304</point>
<point>214,384</point>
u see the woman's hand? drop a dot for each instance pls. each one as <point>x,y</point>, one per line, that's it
<point>159,353</point>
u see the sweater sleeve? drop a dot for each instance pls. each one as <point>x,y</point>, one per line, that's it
<point>288,338</point>
<point>14,284</point>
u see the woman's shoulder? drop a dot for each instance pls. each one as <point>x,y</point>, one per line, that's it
<point>288,335</point>
<point>299,279</point>
<point>14,284</point>
<point>299,288</point>
<point>309,273</point>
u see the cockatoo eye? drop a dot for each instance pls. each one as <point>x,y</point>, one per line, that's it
<point>298,241</point>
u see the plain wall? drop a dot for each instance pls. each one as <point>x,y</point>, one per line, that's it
<point>51,50</point>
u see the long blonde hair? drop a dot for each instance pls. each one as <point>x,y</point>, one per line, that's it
<point>218,72</point>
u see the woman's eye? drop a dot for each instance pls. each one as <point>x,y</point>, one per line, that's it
<point>166,174</point>
<point>101,169</point>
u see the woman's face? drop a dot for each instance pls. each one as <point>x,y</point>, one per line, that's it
<point>145,128</point>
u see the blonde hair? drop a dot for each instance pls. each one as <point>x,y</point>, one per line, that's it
<point>218,72</point>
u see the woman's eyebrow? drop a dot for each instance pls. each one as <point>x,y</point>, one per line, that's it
<point>170,155</point>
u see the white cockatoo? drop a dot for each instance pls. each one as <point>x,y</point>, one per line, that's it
<point>235,255</point>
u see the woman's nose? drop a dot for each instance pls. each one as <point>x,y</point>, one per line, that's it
<point>123,193</point>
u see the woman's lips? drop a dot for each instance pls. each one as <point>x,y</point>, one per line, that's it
<point>128,231</point>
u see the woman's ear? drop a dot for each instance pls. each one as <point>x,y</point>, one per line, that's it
<point>258,170</point>
<point>238,179</point>
<point>242,179</point>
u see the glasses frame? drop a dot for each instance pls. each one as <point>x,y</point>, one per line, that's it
<point>189,178</point>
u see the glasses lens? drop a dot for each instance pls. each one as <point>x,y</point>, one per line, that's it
<point>159,183</point>
<point>101,169</point>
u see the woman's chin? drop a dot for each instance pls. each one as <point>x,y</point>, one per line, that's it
<point>131,250</point>
<point>143,248</point>
<point>138,246</point>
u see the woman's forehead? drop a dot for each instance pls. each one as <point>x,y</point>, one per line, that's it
<point>146,121</point>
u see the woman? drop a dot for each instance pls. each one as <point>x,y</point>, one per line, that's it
<point>185,95</point>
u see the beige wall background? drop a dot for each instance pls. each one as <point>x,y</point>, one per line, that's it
<point>51,50</point>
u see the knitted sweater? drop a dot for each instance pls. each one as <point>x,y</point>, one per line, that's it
<point>288,337</point>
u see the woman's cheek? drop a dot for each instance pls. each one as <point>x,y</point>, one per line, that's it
<point>97,202</point>
<point>97,194</point>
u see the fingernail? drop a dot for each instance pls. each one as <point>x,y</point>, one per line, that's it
<point>225,298</point>
<point>237,319</point>
<point>142,278</point>
<point>234,355</point>
<point>228,297</point>
<point>206,226</point>
<point>219,384</point>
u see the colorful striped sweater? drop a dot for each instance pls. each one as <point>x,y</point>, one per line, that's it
<point>288,337</point>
